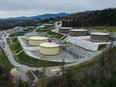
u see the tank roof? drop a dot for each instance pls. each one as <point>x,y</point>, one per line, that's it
<point>38,38</point>
<point>99,33</point>
<point>78,30</point>
<point>55,70</point>
<point>65,27</point>
<point>32,33</point>
<point>49,44</point>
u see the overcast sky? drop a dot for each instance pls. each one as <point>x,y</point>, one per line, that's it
<point>15,8</point>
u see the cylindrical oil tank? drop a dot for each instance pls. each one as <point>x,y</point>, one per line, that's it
<point>28,35</point>
<point>100,36</point>
<point>64,29</point>
<point>37,40</point>
<point>78,32</point>
<point>49,48</point>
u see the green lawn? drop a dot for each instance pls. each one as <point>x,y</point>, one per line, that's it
<point>27,60</point>
<point>101,46</point>
<point>8,40</point>
<point>64,37</point>
<point>16,45</point>
<point>108,28</point>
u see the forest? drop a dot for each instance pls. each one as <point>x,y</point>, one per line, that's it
<point>8,24</point>
<point>105,17</point>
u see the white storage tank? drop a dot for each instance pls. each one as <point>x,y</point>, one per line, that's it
<point>78,32</point>
<point>28,35</point>
<point>100,36</point>
<point>49,48</point>
<point>37,40</point>
<point>64,29</point>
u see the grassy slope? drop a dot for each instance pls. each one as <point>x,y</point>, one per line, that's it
<point>16,45</point>
<point>4,60</point>
<point>55,35</point>
<point>42,30</point>
<point>5,67</point>
<point>108,28</point>
<point>8,40</point>
<point>25,59</point>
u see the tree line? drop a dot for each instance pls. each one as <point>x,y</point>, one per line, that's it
<point>106,17</point>
<point>8,24</point>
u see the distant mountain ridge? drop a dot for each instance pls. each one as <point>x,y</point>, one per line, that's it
<point>44,16</point>
<point>47,16</point>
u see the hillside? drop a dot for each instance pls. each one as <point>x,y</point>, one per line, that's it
<point>100,72</point>
<point>41,17</point>
<point>106,17</point>
<point>47,16</point>
<point>27,21</point>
